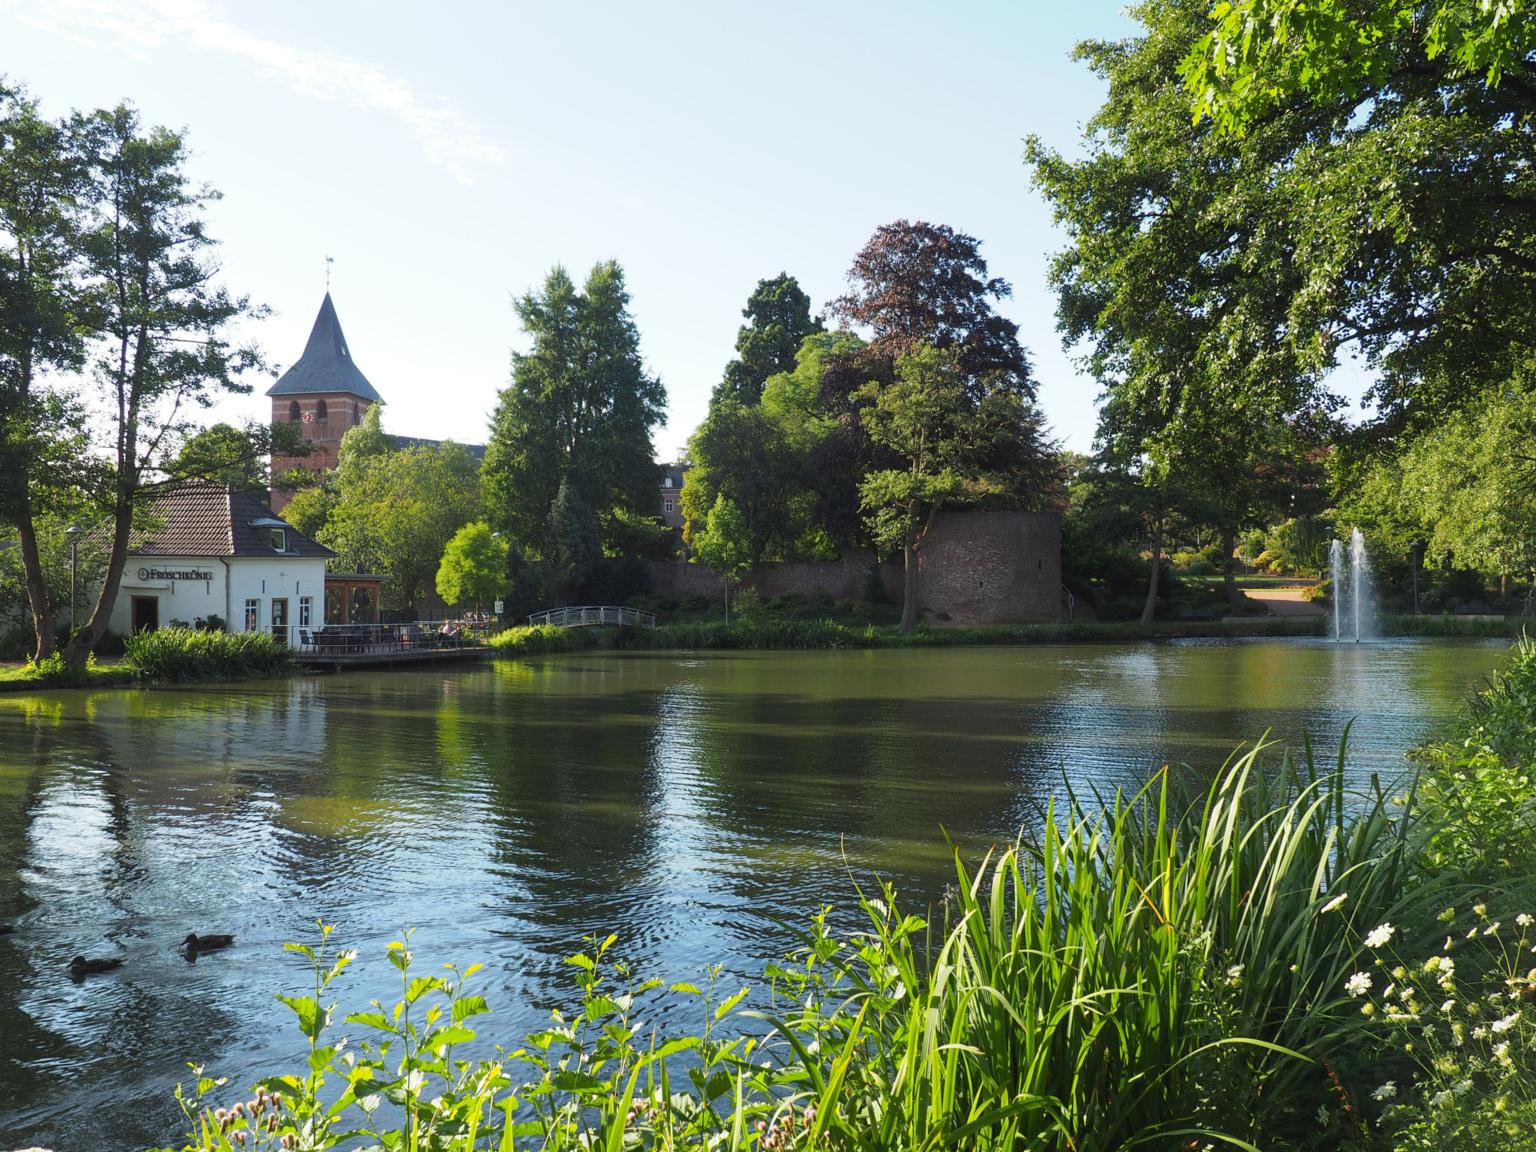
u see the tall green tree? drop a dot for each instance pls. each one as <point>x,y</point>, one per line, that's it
<point>1413,204</point>
<point>574,547</point>
<point>945,442</point>
<point>1178,281</point>
<point>162,317</point>
<point>43,298</point>
<point>581,406</point>
<point>742,453</point>
<point>235,456</point>
<point>779,319</point>
<point>724,545</point>
<point>395,512</point>
<point>474,566</point>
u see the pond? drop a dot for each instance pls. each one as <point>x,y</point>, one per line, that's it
<point>690,803</point>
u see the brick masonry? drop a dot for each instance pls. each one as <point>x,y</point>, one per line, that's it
<point>973,568</point>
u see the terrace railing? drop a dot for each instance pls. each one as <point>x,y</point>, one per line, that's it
<point>389,639</point>
<point>594,616</point>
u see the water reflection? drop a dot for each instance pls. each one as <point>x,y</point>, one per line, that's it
<point>507,810</point>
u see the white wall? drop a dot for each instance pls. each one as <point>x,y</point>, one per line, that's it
<point>256,578</point>
<point>282,577</point>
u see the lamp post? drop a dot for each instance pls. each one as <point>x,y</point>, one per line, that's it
<point>1415,561</point>
<point>73,532</point>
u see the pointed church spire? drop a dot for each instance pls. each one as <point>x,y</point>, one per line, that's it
<point>326,365</point>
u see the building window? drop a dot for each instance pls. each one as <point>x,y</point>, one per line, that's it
<point>357,414</point>
<point>667,505</point>
<point>306,611</point>
<point>320,411</point>
<point>279,539</point>
<point>252,615</point>
<point>294,415</point>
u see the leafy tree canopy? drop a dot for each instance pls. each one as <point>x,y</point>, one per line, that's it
<point>581,406</point>
<point>778,320</point>
<point>1260,54</point>
<point>919,283</point>
<point>394,512</point>
<point>474,566</point>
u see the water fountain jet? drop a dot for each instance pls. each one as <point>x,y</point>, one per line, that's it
<point>1351,574</point>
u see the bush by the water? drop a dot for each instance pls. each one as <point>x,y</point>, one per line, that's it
<point>177,655</point>
<point>1270,962</point>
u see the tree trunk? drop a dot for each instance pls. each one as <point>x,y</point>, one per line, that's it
<point>1228,568</point>
<point>95,627</point>
<point>908,587</point>
<point>1149,609</point>
<point>37,586</point>
<point>727,582</point>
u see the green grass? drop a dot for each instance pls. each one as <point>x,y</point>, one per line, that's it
<point>53,673</point>
<point>827,634</point>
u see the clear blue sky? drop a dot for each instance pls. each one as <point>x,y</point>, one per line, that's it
<point>448,155</point>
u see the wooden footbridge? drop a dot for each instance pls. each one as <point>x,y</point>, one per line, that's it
<point>594,616</point>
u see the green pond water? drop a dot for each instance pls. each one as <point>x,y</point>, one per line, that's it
<point>688,803</point>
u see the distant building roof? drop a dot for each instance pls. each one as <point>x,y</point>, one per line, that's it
<point>217,520</point>
<point>672,475</point>
<point>475,450</point>
<point>326,365</point>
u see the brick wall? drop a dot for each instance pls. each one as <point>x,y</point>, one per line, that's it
<point>991,568</point>
<point>974,568</point>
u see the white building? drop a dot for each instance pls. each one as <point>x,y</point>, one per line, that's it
<point>210,550</point>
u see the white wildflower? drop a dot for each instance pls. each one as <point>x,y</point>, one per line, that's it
<point>1386,1091</point>
<point>1433,963</point>
<point>1322,1116</point>
<point>1440,1099</point>
<point>1501,1053</point>
<point>1480,909</point>
<point>1334,904</point>
<point>1379,935</point>
<point>1448,1007</point>
<point>1234,975</point>
<point>1505,1023</point>
<point>1358,984</point>
<point>1524,920</point>
<point>1493,929</point>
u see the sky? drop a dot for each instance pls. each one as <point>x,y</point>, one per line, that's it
<point>446,156</point>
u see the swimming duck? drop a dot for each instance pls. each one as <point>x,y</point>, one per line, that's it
<point>80,966</point>
<point>196,943</point>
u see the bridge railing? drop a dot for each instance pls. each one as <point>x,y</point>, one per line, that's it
<point>594,616</point>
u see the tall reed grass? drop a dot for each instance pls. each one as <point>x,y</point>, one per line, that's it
<point>179,655</point>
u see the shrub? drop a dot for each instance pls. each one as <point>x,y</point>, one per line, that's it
<point>534,640</point>
<point>178,655</point>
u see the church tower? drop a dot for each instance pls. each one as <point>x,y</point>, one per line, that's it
<point>324,393</point>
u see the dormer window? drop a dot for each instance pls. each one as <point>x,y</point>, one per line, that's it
<point>279,539</point>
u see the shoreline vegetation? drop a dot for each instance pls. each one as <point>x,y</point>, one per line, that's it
<point>829,634</point>
<point>165,656</point>
<point>1266,960</point>
<point>173,656</point>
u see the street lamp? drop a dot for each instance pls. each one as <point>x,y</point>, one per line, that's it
<point>1416,561</point>
<point>73,532</point>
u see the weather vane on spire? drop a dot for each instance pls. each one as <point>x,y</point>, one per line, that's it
<point>329,260</point>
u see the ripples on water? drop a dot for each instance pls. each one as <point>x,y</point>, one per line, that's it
<point>688,804</point>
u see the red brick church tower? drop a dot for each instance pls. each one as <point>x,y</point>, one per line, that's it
<point>325,393</point>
